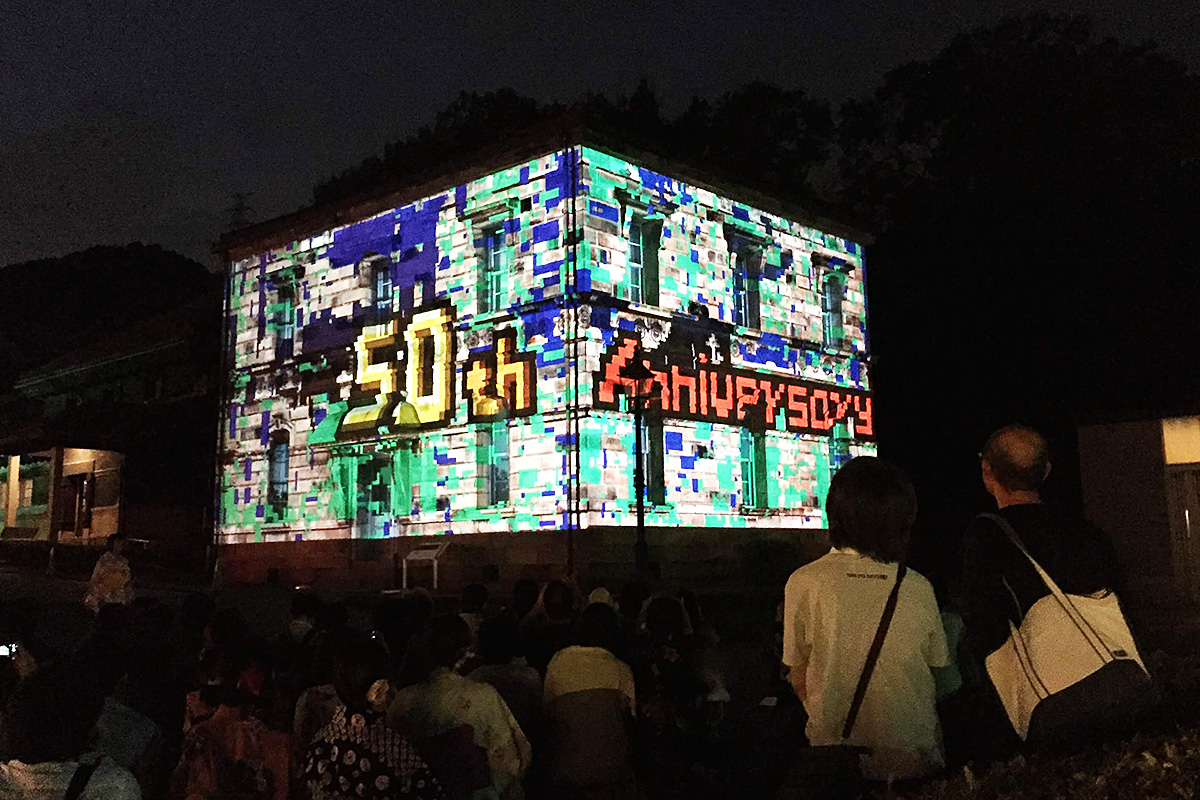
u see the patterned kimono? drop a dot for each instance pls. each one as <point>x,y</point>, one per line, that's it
<point>359,756</point>
<point>467,734</point>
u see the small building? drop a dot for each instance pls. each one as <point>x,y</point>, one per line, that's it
<point>116,435</point>
<point>450,359</point>
<point>1141,483</point>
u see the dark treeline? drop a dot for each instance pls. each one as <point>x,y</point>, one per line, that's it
<point>1034,195</point>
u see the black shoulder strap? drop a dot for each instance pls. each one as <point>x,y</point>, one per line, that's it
<point>889,610</point>
<point>79,781</point>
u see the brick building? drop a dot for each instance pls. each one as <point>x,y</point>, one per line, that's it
<point>449,359</point>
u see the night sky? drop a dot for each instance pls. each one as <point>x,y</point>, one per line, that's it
<point>137,121</point>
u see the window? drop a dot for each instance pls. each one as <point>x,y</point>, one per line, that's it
<point>285,323</point>
<point>636,276</point>
<point>754,468</point>
<point>495,267</point>
<point>278,472</point>
<point>381,289</point>
<point>644,237</point>
<point>493,461</point>
<point>25,497</point>
<point>652,461</point>
<point>832,295</point>
<point>424,357</point>
<point>746,258</point>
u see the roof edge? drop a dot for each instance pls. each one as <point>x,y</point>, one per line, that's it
<point>533,143</point>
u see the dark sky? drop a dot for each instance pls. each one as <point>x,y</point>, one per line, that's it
<point>123,121</point>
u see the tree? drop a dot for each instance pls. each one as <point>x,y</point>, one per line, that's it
<point>1037,191</point>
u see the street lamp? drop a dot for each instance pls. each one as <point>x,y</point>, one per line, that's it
<point>637,372</point>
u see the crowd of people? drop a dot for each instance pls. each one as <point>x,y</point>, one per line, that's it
<point>546,693</point>
<point>541,694</point>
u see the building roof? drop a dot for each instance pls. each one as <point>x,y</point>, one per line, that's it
<point>531,144</point>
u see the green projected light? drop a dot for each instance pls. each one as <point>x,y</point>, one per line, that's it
<point>454,364</point>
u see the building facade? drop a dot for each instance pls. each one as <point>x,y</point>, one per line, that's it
<point>454,362</point>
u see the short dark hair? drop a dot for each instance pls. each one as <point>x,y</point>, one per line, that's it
<point>474,597</point>
<point>1018,457</point>
<point>870,507</point>
<point>447,638</point>
<point>525,596</point>
<point>50,716</point>
<point>359,662</point>
<point>499,639</point>
<point>559,600</point>
<point>305,604</point>
<point>598,626</point>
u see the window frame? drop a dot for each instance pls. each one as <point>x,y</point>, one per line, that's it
<point>495,462</point>
<point>279,472</point>
<point>383,304</point>
<point>833,313</point>
<point>752,451</point>
<point>495,265</point>
<point>285,321</point>
<point>746,256</point>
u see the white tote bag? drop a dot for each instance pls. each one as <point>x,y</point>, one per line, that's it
<point>1063,640</point>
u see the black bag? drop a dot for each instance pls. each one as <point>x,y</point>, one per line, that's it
<point>834,772</point>
<point>79,781</point>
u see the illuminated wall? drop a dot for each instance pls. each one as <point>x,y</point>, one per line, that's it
<point>454,364</point>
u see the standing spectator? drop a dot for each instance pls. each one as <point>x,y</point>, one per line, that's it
<point>551,626</point>
<point>1001,586</point>
<point>357,755</point>
<point>44,743</point>
<point>470,607</point>
<point>525,597</point>
<point>832,609</point>
<point>112,580</point>
<point>590,702</point>
<point>503,668</point>
<point>473,744</point>
<point>674,734</point>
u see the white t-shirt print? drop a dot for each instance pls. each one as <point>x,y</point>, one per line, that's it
<point>832,608</point>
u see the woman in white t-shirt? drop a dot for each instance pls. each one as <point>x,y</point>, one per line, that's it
<point>832,609</point>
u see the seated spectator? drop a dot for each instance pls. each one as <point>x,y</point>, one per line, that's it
<point>550,626</point>
<point>44,742</point>
<point>473,744</point>
<point>503,668</point>
<point>590,702</point>
<point>112,580</point>
<point>233,753</point>
<point>832,609</point>
<point>357,755</point>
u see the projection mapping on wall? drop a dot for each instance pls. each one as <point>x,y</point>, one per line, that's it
<point>454,364</point>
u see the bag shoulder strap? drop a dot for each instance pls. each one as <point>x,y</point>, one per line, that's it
<point>889,610</point>
<point>79,781</point>
<point>1063,600</point>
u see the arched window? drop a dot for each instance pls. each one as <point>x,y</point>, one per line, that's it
<point>278,471</point>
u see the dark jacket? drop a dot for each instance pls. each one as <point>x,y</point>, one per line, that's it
<point>1000,585</point>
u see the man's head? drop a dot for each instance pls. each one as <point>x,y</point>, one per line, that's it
<point>870,507</point>
<point>116,543</point>
<point>598,626</point>
<point>1015,460</point>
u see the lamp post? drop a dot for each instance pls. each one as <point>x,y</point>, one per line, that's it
<point>637,372</point>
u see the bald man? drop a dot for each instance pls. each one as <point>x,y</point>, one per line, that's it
<point>999,583</point>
